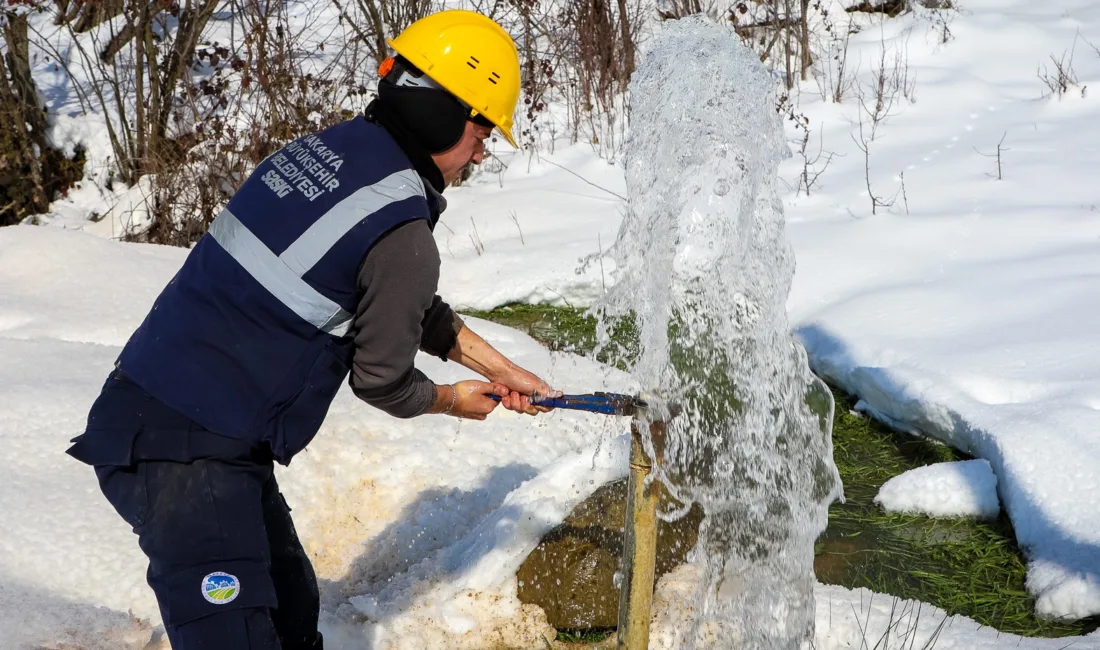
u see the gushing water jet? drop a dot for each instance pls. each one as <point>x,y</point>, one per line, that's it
<point>704,268</point>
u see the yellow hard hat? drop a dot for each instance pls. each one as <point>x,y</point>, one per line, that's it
<point>472,57</point>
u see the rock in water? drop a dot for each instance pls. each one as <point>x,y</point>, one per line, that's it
<point>570,574</point>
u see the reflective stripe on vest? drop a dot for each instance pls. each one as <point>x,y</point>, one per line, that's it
<point>282,274</point>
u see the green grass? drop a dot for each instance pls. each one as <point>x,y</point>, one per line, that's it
<point>565,328</point>
<point>963,566</point>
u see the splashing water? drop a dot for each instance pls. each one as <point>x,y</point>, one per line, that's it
<point>705,268</point>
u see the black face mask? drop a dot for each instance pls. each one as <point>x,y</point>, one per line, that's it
<point>435,118</point>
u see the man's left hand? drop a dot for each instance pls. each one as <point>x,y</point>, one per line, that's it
<point>523,384</point>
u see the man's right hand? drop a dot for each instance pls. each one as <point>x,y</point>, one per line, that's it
<point>469,398</point>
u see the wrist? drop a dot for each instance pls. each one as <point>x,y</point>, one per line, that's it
<point>445,398</point>
<point>454,399</point>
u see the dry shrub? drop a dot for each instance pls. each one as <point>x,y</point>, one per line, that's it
<point>32,171</point>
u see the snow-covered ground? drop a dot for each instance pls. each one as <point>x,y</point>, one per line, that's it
<point>973,317</point>
<point>968,311</point>
<point>416,527</point>
<point>402,518</point>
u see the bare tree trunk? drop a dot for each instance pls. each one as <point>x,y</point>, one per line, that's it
<point>807,59</point>
<point>627,44</point>
<point>19,66</point>
<point>380,48</point>
<point>67,11</point>
<point>529,45</point>
<point>117,42</point>
<point>20,171</point>
<point>140,54</point>
<point>192,21</point>
<point>92,14</point>
<point>787,25</point>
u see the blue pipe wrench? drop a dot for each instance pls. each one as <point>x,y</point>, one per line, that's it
<point>598,402</point>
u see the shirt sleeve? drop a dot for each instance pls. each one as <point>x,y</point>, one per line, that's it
<point>440,329</point>
<point>398,281</point>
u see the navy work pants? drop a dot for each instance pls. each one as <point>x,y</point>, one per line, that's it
<point>225,561</point>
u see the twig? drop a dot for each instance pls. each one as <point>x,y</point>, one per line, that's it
<point>503,167</point>
<point>805,180</point>
<point>1064,76</point>
<point>475,239</point>
<point>931,642</point>
<point>586,180</point>
<point>904,198</point>
<point>563,298</point>
<point>603,280</point>
<point>515,220</point>
<point>1094,48</point>
<point>998,155</point>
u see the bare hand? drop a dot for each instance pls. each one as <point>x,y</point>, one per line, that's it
<point>471,399</point>
<point>521,384</point>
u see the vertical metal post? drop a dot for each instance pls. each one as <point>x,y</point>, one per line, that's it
<point>639,548</point>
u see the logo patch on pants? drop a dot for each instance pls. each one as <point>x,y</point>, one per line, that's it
<point>220,588</point>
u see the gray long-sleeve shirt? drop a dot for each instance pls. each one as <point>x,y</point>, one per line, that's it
<point>398,314</point>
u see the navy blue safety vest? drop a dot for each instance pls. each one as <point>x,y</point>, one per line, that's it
<point>250,338</point>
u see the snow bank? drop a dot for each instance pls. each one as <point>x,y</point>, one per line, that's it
<point>971,313</point>
<point>855,618</point>
<point>961,489</point>
<point>78,287</point>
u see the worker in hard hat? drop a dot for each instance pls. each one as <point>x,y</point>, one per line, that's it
<point>321,267</point>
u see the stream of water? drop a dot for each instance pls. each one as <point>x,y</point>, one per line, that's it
<point>704,266</point>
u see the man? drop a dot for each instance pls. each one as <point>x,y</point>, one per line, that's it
<point>322,266</point>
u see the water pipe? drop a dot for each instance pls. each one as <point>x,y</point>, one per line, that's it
<point>640,541</point>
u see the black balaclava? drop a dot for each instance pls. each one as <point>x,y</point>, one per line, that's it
<point>423,121</point>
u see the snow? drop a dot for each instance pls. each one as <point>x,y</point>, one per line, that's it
<point>416,514</point>
<point>966,311</point>
<point>960,489</point>
<point>415,527</point>
<point>973,317</point>
<point>541,229</point>
<point>845,617</point>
